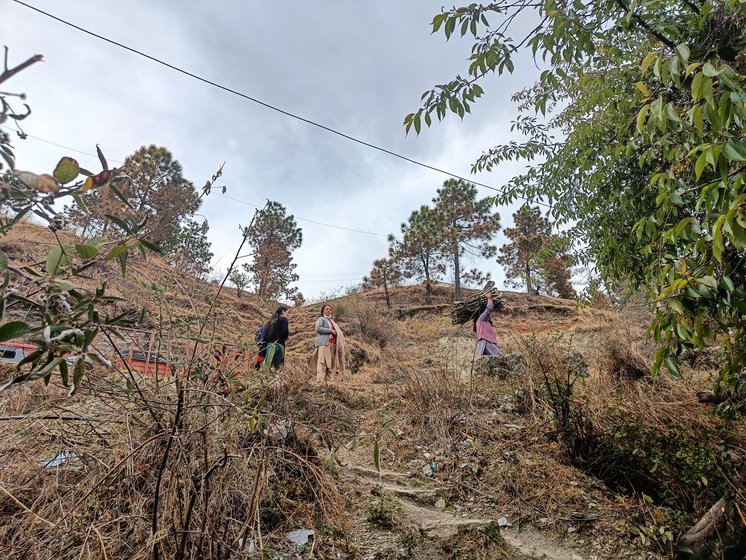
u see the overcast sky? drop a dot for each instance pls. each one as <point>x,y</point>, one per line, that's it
<point>357,67</point>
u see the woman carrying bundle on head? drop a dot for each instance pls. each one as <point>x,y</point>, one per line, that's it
<point>486,337</point>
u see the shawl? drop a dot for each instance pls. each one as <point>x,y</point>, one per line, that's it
<point>334,355</point>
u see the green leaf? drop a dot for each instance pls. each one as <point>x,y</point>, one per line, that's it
<point>57,259</point>
<point>672,366</point>
<point>647,61</point>
<point>3,261</point>
<point>67,169</point>
<point>13,329</point>
<point>117,250</point>
<point>437,22</point>
<point>697,86</point>
<point>735,151</point>
<point>87,251</point>
<point>121,223</point>
<point>709,70</point>
<point>682,52</point>
<point>709,281</point>
<point>641,117</point>
<point>78,374</point>
<point>700,164</point>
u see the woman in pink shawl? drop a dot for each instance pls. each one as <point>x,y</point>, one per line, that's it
<point>486,338</point>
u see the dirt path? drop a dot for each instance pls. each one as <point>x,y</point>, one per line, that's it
<point>425,510</point>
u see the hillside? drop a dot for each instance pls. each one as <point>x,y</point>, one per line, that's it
<point>564,449</point>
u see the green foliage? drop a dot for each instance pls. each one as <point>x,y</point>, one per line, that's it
<point>421,248</point>
<point>468,225</point>
<point>273,238</point>
<point>675,466</point>
<point>53,304</point>
<point>383,510</point>
<point>188,249</point>
<point>535,257</point>
<point>641,149</point>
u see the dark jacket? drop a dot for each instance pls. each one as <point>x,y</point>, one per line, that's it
<point>278,332</point>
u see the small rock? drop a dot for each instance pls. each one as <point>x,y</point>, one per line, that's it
<point>571,529</point>
<point>427,470</point>
<point>440,504</point>
<point>503,522</point>
<point>577,557</point>
<point>299,537</point>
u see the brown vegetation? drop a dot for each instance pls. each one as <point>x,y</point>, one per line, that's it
<point>577,443</point>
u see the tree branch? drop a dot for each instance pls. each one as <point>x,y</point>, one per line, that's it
<point>10,72</point>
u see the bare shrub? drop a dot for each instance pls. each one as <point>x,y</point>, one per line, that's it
<point>373,323</point>
<point>436,400</point>
<point>620,360</point>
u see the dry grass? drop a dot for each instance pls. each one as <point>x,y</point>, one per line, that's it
<point>223,475</point>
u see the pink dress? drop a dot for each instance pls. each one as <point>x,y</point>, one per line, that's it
<point>486,338</point>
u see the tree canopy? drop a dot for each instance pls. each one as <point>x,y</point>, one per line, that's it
<point>468,225</point>
<point>634,132</point>
<point>273,238</point>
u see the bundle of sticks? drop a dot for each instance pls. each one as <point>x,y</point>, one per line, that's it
<point>467,310</point>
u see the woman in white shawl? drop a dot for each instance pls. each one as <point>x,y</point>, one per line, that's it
<point>329,355</point>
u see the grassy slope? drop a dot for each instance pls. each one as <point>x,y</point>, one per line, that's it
<point>413,392</point>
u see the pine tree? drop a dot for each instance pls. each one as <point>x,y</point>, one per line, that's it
<point>522,256</point>
<point>151,186</point>
<point>468,225</point>
<point>421,248</point>
<point>384,274</point>
<point>273,238</point>
<point>188,249</point>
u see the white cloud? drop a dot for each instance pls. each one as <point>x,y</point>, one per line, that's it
<point>355,67</point>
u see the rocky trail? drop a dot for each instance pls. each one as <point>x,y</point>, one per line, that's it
<point>423,510</point>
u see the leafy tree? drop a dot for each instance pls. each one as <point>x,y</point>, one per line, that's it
<point>188,249</point>
<point>420,250</point>
<point>523,256</point>
<point>298,299</point>
<point>273,238</point>
<point>649,102</point>
<point>240,280</point>
<point>468,224</point>
<point>151,188</point>
<point>384,274</point>
<point>557,272</point>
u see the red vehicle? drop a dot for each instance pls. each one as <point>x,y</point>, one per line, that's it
<point>147,363</point>
<point>15,352</point>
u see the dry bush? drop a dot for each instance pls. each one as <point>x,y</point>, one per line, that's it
<point>373,323</point>
<point>174,471</point>
<point>655,438</point>
<point>650,438</point>
<point>621,360</point>
<point>436,400</point>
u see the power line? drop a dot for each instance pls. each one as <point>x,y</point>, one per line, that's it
<point>217,193</point>
<point>306,219</point>
<point>252,99</point>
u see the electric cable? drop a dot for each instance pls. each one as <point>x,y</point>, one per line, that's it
<point>254,99</point>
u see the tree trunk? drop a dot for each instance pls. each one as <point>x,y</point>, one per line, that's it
<point>428,290</point>
<point>528,278</point>
<point>386,288</point>
<point>720,533</point>
<point>456,272</point>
